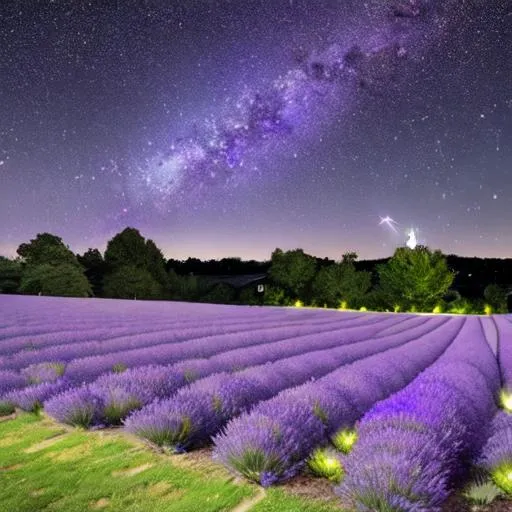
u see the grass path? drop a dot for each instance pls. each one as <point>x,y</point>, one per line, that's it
<point>45,466</point>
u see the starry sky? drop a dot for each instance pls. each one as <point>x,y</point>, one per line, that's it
<point>230,127</point>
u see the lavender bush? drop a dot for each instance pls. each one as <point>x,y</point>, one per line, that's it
<point>496,456</point>
<point>415,445</point>
<point>225,396</point>
<point>335,400</point>
<point>141,385</point>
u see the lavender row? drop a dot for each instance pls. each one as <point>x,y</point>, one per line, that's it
<point>27,309</point>
<point>271,442</point>
<point>19,343</point>
<point>199,411</point>
<point>88,368</point>
<point>505,350</point>
<point>496,456</point>
<point>413,447</point>
<point>49,326</point>
<point>69,351</point>
<point>10,380</point>
<point>46,371</point>
<point>23,312</point>
<point>142,385</point>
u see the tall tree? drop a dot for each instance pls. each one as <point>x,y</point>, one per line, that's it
<point>415,278</point>
<point>130,282</point>
<point>155,263</point>
<point>293,270</point>
<point>46,248</point>
<point>62,280</point>
<point>95,269</point>
<point>127,251</point>
<point>126,248</point>
<point>496,297</point>
<point>10,275</point>
<point>50,268</point>
<point>341,282</point>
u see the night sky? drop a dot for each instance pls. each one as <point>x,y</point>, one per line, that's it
<point>231,127</point>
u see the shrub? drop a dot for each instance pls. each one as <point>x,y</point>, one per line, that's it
<point>6,408</point>
<point>344,440</point>
<point>326,464</point>
<point>119,368</point>
<point>43,372</point>
<point>78,407</point>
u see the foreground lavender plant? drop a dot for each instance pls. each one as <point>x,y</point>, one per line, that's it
<point>496,456</point>
<point>333,402</point>
<point>10,380</point>
<point>31,398</point>
<point>76,407</point>
<point>136,387</point>
<point>225,396</point>
<point>415,445</point>
<point>43,372</point>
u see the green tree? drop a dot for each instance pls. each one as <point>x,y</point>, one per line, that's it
<point>50,268</point>
<point>63,280</point>
<point>220,294</point>
<point>46,248</point>
<point>131,282</point>
<point>415,278</point>
<point>130,249</point>
<point>155,264</point>
<point>186,288</point>
<point>95,269</point>
<point>276,296</point>
<point>249,296</point>
<point>341,282</point>
<point>127,248</point>
<point>325,288</point>
<point>294,271</point>
<point>10,275</point>
<point>496,297</point>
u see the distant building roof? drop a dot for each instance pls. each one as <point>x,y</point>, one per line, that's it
<point>236,281</point>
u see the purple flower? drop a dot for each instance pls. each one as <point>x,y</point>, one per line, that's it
<point>413,446</point>
<point>43,372</point>
<point>170,424</point>
<point>10,380</point>
<point>78,406</point>
<point>263,448</point>
<point>31,398</point>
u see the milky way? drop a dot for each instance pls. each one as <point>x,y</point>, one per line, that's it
<point>223,150</point>
<point>224,128</point>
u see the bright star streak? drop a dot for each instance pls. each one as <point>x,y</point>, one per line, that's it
<point>389,222</point>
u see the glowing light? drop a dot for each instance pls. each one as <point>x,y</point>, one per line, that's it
<point>411,242</point>
<point>362,308</point>
<point>488,309</point>
<point>343,305</point>
<point>389,222</point>
<point>506,400</point>
<point>299,304</point>
<point>502,476</point>
<point>323,464</point>
<point>437,310</point>
<point>344,440</point>
<point>331,463</point>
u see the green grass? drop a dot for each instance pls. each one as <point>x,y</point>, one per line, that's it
<point>278,500</point>
<point>46,467</point>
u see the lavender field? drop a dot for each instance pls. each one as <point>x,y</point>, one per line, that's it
<point>399,411</point>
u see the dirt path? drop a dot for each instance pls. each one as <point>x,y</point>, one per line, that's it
<point>246,505</point>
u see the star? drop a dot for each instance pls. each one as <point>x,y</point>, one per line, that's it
<point>388,221</point>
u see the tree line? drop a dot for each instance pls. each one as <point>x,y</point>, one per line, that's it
<point>132,267</point>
